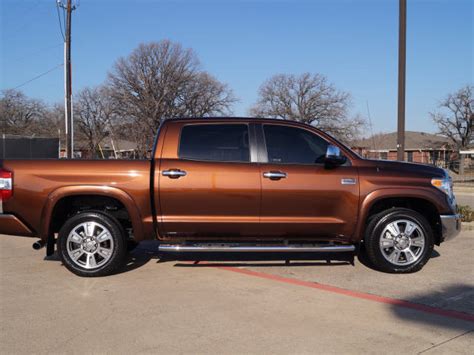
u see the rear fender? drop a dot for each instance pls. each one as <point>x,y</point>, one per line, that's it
<point>107,191</point>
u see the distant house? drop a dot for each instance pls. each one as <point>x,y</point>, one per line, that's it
<point>466,163</point>
<point>420,147</point>
<point>108,149</point>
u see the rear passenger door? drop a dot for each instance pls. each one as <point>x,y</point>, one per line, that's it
<point>209,183</point>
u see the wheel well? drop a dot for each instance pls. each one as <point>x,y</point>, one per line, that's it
<point>424,207</point>
<point>70,205</point>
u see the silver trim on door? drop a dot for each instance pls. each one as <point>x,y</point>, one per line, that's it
<point>274,175</point>
<point>174,173</point>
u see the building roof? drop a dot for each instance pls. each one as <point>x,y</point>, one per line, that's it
<point>413,141</point>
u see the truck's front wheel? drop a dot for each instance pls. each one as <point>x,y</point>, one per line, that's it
<point>399,240</point>
<point>92,244</point>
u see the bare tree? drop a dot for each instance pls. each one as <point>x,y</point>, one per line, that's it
<point>307,98</point>
<point>204,96</point>
<point>161,80</point>
<point>51,123</point>
<point>20,114</point>
<point>455,118</point>
<point>94,112</point>
<point>127,129</point>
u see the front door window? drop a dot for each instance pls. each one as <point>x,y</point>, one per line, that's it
<point>291,145</point>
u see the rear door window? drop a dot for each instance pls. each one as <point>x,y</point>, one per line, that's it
<point>215,142</point>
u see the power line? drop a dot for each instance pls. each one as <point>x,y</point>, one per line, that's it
<point>60,22</point>
<point>38,76</point>
<point>41,50</point>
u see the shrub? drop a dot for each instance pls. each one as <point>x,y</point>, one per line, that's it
<point>467,213</point>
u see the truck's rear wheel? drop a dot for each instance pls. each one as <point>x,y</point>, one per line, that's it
<point>92,244</point>
<point>399,240</point>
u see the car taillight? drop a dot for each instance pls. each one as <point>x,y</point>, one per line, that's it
<point>6,184</point>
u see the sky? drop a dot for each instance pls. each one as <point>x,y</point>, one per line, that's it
<point>243,43</point>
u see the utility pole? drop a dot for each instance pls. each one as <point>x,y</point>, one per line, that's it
<point>68,80</point>
<point>402,40</point>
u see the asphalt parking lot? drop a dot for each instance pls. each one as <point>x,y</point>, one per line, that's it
<point>164,305</point>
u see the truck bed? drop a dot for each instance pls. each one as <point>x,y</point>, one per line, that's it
<point>39,183</point>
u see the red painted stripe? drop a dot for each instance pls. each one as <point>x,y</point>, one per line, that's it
<point>355,294</point>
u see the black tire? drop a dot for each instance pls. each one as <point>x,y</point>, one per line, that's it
<point>373,235</point>
<point>116,238</point>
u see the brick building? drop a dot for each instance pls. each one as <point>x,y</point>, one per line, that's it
<point>420,147</point>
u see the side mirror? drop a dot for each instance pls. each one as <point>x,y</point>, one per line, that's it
<point>334,156</point>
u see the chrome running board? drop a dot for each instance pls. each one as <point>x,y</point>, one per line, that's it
<point>224,248</point>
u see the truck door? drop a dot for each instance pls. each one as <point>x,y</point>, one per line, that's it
<point>209,181</point>
<point>302,198</point>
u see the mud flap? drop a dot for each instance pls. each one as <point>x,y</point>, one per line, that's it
<point>50,245</point>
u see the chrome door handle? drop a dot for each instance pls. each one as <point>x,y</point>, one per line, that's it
<point>274,175</point>
<point>174,173</point>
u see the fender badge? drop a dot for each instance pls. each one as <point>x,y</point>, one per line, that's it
<point>348,181</point>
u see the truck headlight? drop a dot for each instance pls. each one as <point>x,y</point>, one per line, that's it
<point>445,185</point>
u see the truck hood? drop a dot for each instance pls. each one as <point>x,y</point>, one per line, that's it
<point>406,169</point>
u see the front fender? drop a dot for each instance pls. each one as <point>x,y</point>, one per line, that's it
<point>108,191</point>
<point>422,193</point>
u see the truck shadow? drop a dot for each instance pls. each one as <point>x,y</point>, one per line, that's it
<point>148,250</point>
<point>258,263</point>
<point>456,302</point>
<point>258,259</point>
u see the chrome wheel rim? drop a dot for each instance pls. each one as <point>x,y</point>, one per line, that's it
<point>90,245</point>
<point>402,242</point>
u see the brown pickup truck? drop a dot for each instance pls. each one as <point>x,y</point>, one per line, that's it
<point>231,185</point>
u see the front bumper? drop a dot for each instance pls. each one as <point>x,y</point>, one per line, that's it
<point>451,226</point>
